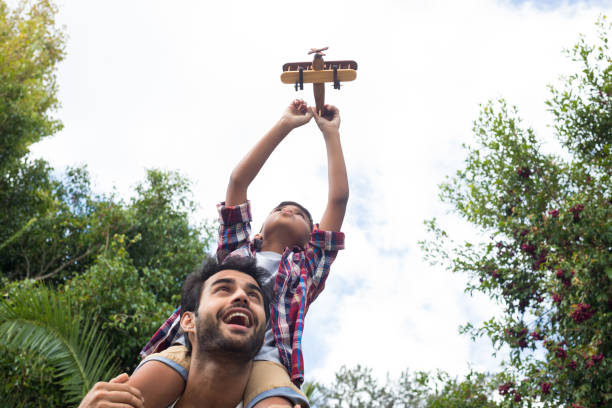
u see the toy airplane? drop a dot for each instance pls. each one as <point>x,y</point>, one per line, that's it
<point>318,72</point>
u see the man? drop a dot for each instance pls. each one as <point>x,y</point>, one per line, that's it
<point>224,315</point>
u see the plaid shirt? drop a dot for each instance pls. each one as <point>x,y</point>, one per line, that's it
<point>301,277</point>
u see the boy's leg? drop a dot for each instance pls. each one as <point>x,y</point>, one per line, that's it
<point>270,386</point>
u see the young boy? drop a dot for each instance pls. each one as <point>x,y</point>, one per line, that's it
<point>296,255</point>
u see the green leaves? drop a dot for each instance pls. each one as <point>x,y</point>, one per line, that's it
<point>549,220</point>
<point>122,263</point>
<point>30,47</point>
<point>129,311</point>
<point>583,109</point>
<point>357,387</point>
<point>50,324</point>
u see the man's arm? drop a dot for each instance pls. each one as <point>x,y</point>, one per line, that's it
<point>338,189</point>
<point>159,384</point>
<point>297,114</point>
<point>116,393</point>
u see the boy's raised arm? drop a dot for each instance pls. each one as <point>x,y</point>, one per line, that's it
<point>338,189</point>
<point>297,114</point>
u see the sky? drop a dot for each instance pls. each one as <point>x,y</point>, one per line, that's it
<point>191,86</point>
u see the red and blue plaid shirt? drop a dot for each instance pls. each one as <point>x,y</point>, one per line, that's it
<point>301,277</point>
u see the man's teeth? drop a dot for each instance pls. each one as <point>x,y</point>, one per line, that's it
<point>243,317</point>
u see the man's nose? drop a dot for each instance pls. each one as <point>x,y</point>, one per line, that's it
<point>240,296</point>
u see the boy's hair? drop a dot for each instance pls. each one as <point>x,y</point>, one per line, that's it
<point>301,207</point>
<point>192,287</point>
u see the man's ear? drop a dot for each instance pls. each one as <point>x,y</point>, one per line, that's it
<point>188,322</point>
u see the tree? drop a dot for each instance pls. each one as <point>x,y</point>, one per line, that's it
<point>30,47</point>
<point>548,262</point>
<point>169,244</point>
<point>128,285</point>
<point>60,223</point>
<point>112,269</point>
<point>47,323</point>
<point>358,388</point>
<point>128,310</point>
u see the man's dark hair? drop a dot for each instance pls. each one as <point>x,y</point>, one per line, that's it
<point>192,287</point>
<point>301,207</point>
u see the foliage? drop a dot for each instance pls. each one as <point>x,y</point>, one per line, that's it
<point>30,47</point>
<point>550,222</point>
<point>170,246</point>
<point>115,266</point>
<point>60,224</point>
<point>113,289</point>
<point>357,388</point>
<point>40,320</point>
<point>130,286</point>
<point>25,380</point>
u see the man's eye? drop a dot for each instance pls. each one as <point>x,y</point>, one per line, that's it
<point>255,295</point>
<point>223,289</point>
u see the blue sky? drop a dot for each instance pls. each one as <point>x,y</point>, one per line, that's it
<point>190,86</point>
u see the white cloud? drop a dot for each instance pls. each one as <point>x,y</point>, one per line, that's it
<point>192,85</point>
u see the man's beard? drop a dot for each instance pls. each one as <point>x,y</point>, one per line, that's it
<point>212,342</point>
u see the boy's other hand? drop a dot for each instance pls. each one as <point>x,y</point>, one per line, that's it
<point>296,114</point>
<point>329,121</point>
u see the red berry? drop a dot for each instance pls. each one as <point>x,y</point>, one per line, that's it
<point>537,336</point>
<point>582,313</point>
<point>561,353</point>
<point>523,172</point>
<point>504,388</point>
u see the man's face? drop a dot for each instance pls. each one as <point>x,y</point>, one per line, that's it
<point>230,319</point>
<point>291,221</point>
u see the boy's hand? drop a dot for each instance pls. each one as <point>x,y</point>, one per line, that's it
<point>296,115</point>
<point>329,121</point>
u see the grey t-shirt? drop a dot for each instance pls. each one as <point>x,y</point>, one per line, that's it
<point>270,262</point>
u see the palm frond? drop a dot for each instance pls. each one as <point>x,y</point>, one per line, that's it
<point>43,321</point>
<point>19,233</point>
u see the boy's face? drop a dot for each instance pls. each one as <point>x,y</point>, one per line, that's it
<point>288,223</point>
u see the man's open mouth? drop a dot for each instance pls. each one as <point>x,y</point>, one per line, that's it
<point>238,317</point>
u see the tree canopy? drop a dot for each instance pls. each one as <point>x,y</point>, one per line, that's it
<point>87,277</point>
<point>549,218</point>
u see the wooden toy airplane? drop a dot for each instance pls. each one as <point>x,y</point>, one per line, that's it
<point>318,72</point>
